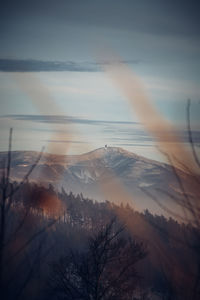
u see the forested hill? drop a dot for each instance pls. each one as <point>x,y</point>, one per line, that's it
<point>55,223</point>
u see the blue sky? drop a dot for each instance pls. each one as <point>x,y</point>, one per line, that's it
<point>57,42</point>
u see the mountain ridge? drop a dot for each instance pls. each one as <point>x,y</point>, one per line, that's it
<point>98,151</point>
<point>87,172</point>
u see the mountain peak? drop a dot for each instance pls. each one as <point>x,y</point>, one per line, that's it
<point>108,155</point>
<point>108,151</point>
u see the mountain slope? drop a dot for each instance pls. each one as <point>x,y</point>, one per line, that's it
<point>88,172</point>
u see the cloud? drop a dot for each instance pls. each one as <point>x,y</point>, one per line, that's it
<point>118,133</point>
<point>121,131</point>
<point>65,141</point>
<point>54,119</point>
<point>32,65</point>
<point>134,145</point>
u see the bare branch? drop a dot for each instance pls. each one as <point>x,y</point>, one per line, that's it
<point>191,141</point>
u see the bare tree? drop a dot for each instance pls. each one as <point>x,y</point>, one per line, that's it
<point>188,202</point>
<point>105,271</point>
<point>14,221</point>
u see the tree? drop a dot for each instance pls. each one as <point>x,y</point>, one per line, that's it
<point>18,230</point>
<point>187,200</point>
<point>106,270</point>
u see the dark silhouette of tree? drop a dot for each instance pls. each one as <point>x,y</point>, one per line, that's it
<point>188,185</point>
<point>17,263</point>
<point>106,270</point>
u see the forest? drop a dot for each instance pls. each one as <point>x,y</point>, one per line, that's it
<point>57,245</point>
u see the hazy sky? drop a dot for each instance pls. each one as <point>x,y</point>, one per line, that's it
<point>57,42</point>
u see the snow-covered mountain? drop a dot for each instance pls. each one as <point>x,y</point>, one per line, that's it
<point>88,172</point>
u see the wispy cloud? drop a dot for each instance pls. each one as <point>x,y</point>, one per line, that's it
<point>55,119</point>
<point>134,145</point>
<point>123,132</point>
<point>64,141</point>
<point>32,65</point>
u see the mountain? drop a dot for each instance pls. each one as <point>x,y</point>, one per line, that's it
<point>88,173</point>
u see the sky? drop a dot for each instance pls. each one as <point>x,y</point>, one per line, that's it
<point>53,89</point>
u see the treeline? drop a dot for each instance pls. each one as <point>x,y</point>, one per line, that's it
<point>64,246</point>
